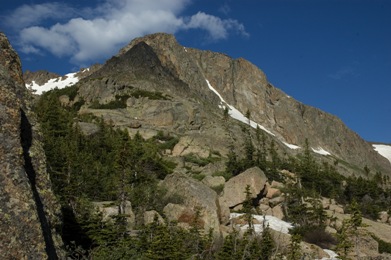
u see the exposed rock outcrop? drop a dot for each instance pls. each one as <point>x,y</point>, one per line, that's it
<point>234,189</point>
<point>196,197</point>
<point>245,86</point>
<point>29,212</point>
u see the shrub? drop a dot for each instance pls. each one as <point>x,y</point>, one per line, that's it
<point>319,237</point>
<point>200,161</point>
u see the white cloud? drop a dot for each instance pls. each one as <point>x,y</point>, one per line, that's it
<point>101,31</point>
<point>32,15</point>
<point>216,27</point>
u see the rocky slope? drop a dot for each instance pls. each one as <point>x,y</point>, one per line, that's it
<point>158,63</point>
<point>28,209</point>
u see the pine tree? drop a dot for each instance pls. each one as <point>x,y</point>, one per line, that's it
<point>294,248</point>
<point>344,243</point>
<point>247,209</point>
<point>267,243</point>
<point>229,248</point>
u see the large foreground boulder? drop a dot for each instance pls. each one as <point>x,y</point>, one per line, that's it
<point>197,197</point>
<point>234,189</point>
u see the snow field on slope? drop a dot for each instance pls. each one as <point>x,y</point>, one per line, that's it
<point>384,150</point>
<point>277,225</point>
<point>236,114</point>
<point>69,80</point>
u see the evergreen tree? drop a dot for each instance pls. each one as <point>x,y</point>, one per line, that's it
<point>247,209</point>
<point>344,243</point>
<point>267,243</point>
<point>294,248</point>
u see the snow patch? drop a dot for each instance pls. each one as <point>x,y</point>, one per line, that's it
<point>273,222</point>
<point>292,146</point>
<point>60,82</point>
<point>384,150</point>
<point>321,151</point>
<point>332,255</point>
<point>236,114</point>
<point>277,225</point>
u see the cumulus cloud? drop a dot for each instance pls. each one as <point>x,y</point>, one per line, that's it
<point>31,15</point>
<point>216,27</point>
<point>100,31</point>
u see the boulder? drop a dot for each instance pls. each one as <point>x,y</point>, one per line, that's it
<point>64,100</point>
<point>278,212</point>
<point>196,197</point>
<point>276,184</point>
<point>273,193</point>
<point>383,216</point>
<point>88,128</point>
<point>213,181</point>
<point>234,189</point>
<point>110,209</point>
<point>173,211</point>
<point>149,217</point>
<point>336,208</point>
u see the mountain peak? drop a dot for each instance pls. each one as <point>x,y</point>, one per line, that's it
<point>163,39</point>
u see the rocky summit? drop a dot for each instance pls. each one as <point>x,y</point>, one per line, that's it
<point>29,212</point>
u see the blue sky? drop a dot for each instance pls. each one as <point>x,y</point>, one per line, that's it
<point>331,54</point>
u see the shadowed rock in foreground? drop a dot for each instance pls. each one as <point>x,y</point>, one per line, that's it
<point>29,212</point>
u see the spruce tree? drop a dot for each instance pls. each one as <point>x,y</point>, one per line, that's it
<point>267,243</point>
<point>294,248</point>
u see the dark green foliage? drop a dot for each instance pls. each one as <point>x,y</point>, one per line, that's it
<point>320,237</point>
<point>294,248</point>
<point>166,141</point>
<point>384,247</point>
<point>267,244</point>
<point>71,92</point>
<point>199,160</point>
<point>248,208</point>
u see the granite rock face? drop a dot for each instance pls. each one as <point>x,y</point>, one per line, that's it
<point>196,197</point>
<point>29,212</point>
<point>158,62</point>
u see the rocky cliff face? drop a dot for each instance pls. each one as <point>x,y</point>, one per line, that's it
<point>158,63</point>
<point>28,209</point>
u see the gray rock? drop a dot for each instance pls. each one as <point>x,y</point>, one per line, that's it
<point>149,217</point>
<point>29,211</point>
<point>110,209</point>
<point>213,181</point>
<point>196,197</point>
<point>88,128</point>
<point>234,189</point>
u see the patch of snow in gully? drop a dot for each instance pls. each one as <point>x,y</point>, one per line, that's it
<point>60,82</point>
<point>277,225</point>
<point>236,114</point>
<point>321,151</point>
<point>273,222</point>
<point>292,146</point>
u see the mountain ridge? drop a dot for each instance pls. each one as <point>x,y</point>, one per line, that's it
<point>241,85</point>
